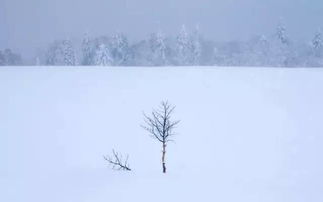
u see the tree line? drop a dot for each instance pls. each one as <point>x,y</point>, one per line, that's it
<point>9,58</point>
<point>188,48</point>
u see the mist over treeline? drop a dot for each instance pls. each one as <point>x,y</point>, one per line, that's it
<point>188,48</point>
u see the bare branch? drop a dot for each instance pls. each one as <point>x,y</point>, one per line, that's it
<point>159,124</point>
<point>116,161</point>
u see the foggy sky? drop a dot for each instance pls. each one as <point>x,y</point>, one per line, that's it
<point>26,25</point>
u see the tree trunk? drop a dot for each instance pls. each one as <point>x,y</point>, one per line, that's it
<point>163,158</point>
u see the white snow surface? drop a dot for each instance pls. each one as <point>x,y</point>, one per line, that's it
<point>246,134</point>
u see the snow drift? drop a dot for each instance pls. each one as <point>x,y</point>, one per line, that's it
<point>246,134</point>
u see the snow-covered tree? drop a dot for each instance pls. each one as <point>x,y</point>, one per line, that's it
<point>183,47</point>
<point>120,49</point>
<point>281,34</point>
<point>68,53</point>
<point>7,57</point>
<point>103,56</point>
<point>60,53</point>
<point>317,43</point>
<point>87,51</point>
<point>2,60</point>
<point>158,49</point>
<point>196,46</point>
<point>263,44</point>
<point>313,55</point>
<point>258,54</point>
<point>282,54</point>
<point>53,55</point>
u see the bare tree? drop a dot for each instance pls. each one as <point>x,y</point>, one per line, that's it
<point>117,161</point>
<point>160,126</point>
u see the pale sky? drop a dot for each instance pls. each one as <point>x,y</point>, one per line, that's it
<point>26,25</point>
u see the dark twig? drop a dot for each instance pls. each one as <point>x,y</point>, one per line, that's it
<point>117,162</point>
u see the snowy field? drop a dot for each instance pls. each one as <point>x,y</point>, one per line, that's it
<point>246,134</point>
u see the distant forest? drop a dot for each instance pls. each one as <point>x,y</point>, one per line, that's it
<point>188,48</point>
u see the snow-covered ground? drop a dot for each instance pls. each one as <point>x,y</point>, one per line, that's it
<point>246,134</point>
